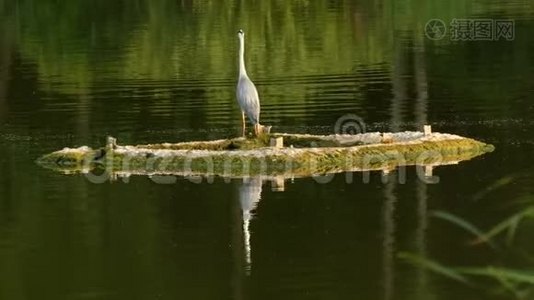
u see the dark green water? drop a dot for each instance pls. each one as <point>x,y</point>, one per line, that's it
<point>73,72</point>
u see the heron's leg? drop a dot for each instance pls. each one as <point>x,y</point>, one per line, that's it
<point>243,122</point>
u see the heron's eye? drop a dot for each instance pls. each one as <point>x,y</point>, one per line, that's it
<point>240,31</point>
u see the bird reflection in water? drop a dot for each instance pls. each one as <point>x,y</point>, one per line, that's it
<point>249,197</point>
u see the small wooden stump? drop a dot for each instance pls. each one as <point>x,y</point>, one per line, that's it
<point>427,130</point>
<point>278,184</point>
<point>277,142</point>
<point>429,171</point>
<point>111,143</point>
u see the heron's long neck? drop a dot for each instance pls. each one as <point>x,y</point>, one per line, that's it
<point>242,70</point>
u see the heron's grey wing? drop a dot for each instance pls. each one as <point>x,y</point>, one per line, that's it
<point>248,99</point>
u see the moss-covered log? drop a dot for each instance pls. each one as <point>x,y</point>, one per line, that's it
<point>303,155</point>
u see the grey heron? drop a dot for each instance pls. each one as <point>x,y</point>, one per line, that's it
<point>247,95</point>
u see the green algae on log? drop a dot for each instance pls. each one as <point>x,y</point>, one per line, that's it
<point>302,155</point>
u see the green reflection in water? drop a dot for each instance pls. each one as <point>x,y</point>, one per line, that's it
<point>78,42</point>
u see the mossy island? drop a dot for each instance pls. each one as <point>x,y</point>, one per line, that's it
<point>276,154</point>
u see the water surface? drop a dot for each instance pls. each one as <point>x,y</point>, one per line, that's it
<point>73,72</point>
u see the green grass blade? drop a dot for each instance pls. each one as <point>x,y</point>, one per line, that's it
<point>511,232</point>
<point>494,186</point>
<point>510,275</point>
<point>461,223</point>
<point>508,224</point>
<point>433,266</point>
